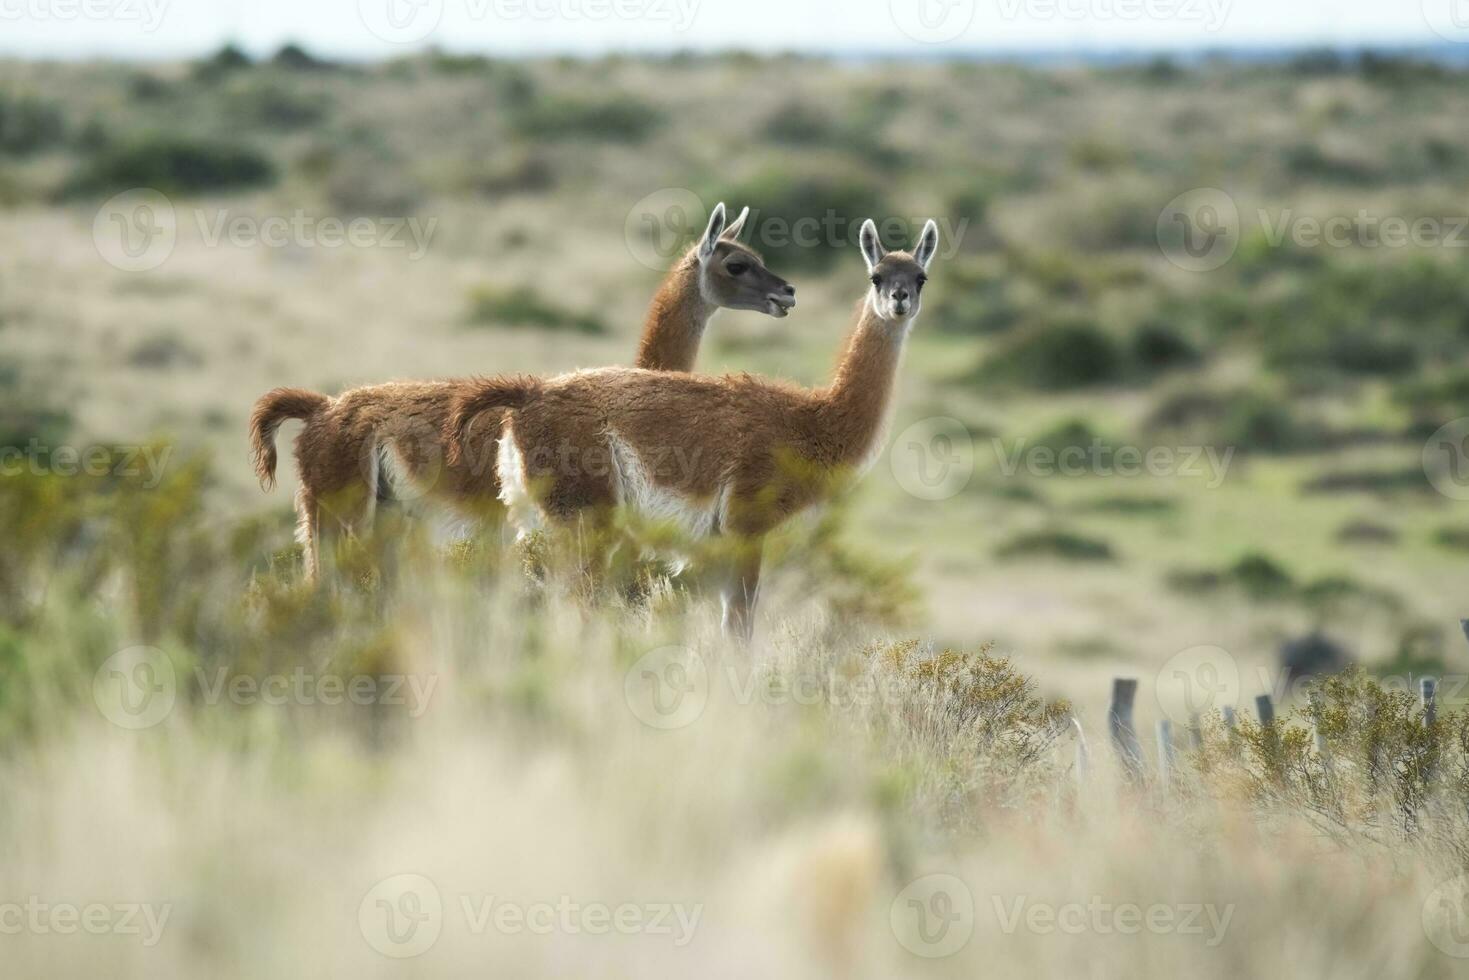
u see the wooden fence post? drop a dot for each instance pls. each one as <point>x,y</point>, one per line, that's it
<point>1165,752</point>
<point>1323,751</point>
<point>1119,723</point>
<point>1266,710</point>
<point>1083,754</point>
<point>1428,690</point>
<point>1195,732</point>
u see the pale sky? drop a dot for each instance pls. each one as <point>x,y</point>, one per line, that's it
<point>375,28</point>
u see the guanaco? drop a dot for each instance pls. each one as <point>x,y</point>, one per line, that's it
<point>384,442</point>
<point>731,456</point>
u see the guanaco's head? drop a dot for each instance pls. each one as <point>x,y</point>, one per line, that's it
<point>733,276</point>
<point>897,277</point>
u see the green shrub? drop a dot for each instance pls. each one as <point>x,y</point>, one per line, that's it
<point>1257,423</point>
<point>613,119</point>
<point>807,219</point>
<point>521,306</point>
<point>1452,538</point>
<point>1158,347</point>
<point>1258,576</point>
<point>293,57</point>
<point>29,125</point>
<point>172,165</point>
<point>1063,545</point>
<point>226,61</point>
<point>1075,354</point>
<point>271,104</point>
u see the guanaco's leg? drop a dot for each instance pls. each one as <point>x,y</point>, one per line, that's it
<point>743,590</point>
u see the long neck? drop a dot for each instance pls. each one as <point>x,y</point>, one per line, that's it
<point>676,320</point>
<point>855,407</point>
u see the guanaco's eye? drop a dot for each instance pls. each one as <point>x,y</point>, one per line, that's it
<point>737,268</point>
<point>922,280</point>
<point>877,280</point>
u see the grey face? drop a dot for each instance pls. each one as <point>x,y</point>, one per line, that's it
<point>897,286</point>
<point>736,278</point>
<point>897,277</point>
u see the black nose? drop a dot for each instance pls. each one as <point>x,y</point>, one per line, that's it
<point>900,294</point>
<point>790,290</point>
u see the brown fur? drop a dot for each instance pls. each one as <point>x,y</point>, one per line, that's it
<point>270,411</point>
<point>767,450</point>
<point>346,440</point>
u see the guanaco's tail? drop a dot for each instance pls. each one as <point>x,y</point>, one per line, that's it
<point>482,395</point>
<point>270,411</point>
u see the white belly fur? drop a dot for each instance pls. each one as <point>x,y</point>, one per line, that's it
<point>638,492</point>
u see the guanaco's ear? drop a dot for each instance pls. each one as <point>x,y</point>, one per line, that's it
<point>712,233</point>
<point>928,244</point>
<point>732,233</point>
<point>872,250</point>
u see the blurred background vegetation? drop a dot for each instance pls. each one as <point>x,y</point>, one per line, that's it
<point>1054,319</point>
